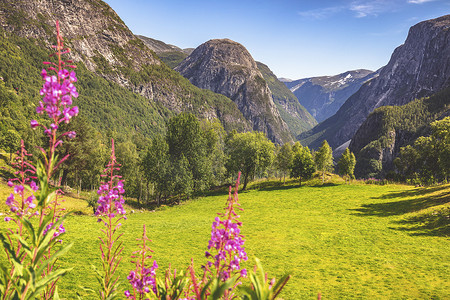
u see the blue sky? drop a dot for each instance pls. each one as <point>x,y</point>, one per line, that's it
<point>296,39</point>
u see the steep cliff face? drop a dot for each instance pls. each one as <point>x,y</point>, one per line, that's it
<point>297,118</point>
<point>418,68</point>
<point>226,67</point>
<point>378,140</point>
<point>91,28</point>
<point>103,43</point>
<point>323,96</point>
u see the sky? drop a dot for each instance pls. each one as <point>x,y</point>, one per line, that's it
<point>295,38</point>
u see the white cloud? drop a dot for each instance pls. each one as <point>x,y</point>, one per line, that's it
<point>373,8</point>
<point>361,8</point>
<point>320,13</point>
<point>419,1</point>
<point>365,8</point>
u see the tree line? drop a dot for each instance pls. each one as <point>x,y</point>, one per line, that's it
<point>193,155</point>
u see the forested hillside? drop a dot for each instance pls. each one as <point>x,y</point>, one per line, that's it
<point>378,141</point>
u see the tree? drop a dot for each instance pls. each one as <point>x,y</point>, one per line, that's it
<point>346,165</point>
<point>324,159</point>
<point>215,134</point>
<point>156,165</point>
<point>10,141</point>
<point>303,163</point>
<point>181,179</point>
<point>127,156</point>
<point>284,159</point>
<point>249,152</point>
<point>87,155</point>
<point>185,137</point>
<point>428,159</point>
<point>441,140</point>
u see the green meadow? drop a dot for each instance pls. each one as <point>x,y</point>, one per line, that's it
<point>345,241</point>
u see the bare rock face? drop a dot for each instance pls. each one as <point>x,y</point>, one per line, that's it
<point>92,29</point>
<point>323,96</point>
<point>104,44</point>
<point>418,68</point>
<point>226,67</point>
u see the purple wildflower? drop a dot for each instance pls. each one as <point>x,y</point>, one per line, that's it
<point>111,200</point>
<point>226,240</point>
<point>18,203</point>
<point>143,277</point>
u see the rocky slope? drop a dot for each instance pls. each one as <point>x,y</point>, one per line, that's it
<point>106,47</point>
<point>226,67</point>
<point>297,118</point>
<point>418,68</point>
<point>169,54</point>
<point>378,140</point>
<point>323,96</point>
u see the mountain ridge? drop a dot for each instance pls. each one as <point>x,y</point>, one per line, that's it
<point>103,43</point>
<point>418,68</point>
<point>226,67</point>
<point>322,96</point>
<point>297,118</point>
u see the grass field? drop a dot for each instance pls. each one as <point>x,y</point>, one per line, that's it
<point>353,241</point>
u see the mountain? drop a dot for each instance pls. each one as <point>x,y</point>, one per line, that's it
<point>107,54</point>
<point>226,67</point>
<point>323,96</point>
<point>418,68</point>
<point>171,55</point>
<point>378,140</point>
<point>297,118</point>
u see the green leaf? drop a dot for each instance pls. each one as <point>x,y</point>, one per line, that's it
<point>18,267</point>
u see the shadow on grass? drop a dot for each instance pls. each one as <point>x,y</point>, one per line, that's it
<point>326,184</point>
<point>404,206</point>
<point>412,193</point>
<point>436,223</point>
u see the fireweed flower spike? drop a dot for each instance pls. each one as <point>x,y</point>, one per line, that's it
<point>226,246</point>
<point>142,278</point>
<point>57,91</point>
<point>19,203</point>
<point>41,199</point>
<point>110,212</point>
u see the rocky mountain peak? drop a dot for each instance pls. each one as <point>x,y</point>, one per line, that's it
<point>91,28</point>
<point>102,42</point>
<point>418,68</point>
<point>322,96</point>
<point>226,67</point>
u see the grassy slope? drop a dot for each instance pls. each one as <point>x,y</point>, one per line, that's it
<point>346,241</point>
<point>172,58</point>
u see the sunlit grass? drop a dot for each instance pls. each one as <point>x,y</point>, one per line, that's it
<point>345,241</point>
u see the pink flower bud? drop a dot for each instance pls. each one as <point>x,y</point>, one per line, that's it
<point>34,124</point>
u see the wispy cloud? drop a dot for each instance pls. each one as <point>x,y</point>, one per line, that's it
<point>373,8</point>
<point>321,13</point>
<point>419,1</point>
<point>360,8</point>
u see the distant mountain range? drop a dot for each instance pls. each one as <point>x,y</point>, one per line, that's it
<point>128,83</point>
<point>418,68</point>
<point>323,96</point>
<point>297,118</point>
